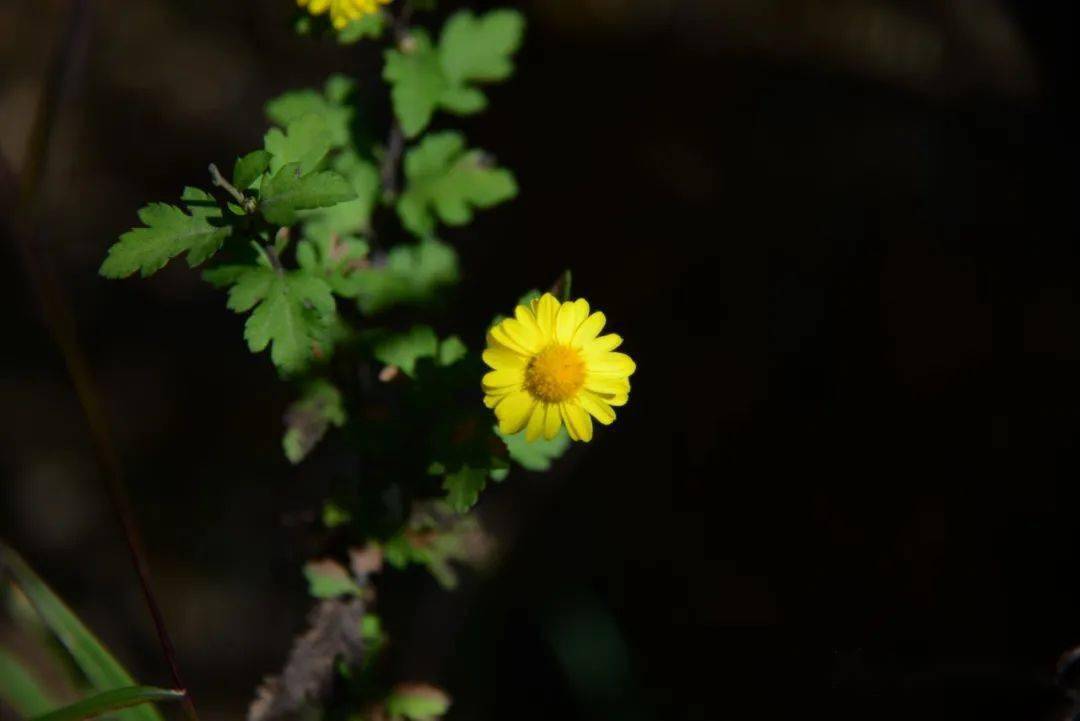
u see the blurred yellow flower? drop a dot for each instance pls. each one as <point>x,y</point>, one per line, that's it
<point>552,367</point>
<point>342,12</point>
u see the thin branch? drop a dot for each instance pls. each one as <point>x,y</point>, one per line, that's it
<point>388,171</point>
<point>28,229</point>
<point>248,204</point>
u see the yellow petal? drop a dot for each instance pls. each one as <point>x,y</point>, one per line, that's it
<point>492,399</point>
<point>619,399</point>
<point>536,423</point>
<point>527,337</point>
<point>513,411</point>
<point>569,317</point>
<point>596,407</point>
<point>507,378</point>
<point>588,330</point>
<point>504,359</point>
<point>618,364</point>
<point>607,385</point>
<point>546,308</point>
<point>578,423</point>
<point>501,337</point>
<point>603,344</point>
<point>552,420</point>
<point>527,318</point>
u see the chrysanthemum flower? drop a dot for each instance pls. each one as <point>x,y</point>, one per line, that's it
<point>342,12</point>
<point>552,367</point>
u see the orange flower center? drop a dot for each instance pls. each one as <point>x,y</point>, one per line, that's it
<point>555,374</point>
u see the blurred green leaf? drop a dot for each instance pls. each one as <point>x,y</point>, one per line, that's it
<point>463,487</point>
<point>480,49</point>
<point>250,168</point>
<point>445,182</point>
<point>538,455</point>
<point>370,26</point>
<point>108,701</point>
<point>329,579</point>
<point>332,106</point>
<point>305,140</point>
<point>98,665</point>
<point>308,419</point>
<point>20,690</point>
<point>411,274</point>
<point>417,702</point>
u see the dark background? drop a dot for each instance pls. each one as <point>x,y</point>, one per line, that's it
<point>839,238</point>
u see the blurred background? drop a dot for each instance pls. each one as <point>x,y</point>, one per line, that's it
<point>839,238</point>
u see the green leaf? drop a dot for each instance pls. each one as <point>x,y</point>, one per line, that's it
<point>292,310</point>
<point>417,83</point>
<point>108,701</point>
<point>369,26</point>
<point>480,49</point>
<point>288,191</point>
<point>20,690</point>
<point>329,579</point>
<point>98,665</point>
<point>352,217</point>
<point>463,487</point>
<point>410,275</point>
<point>306,141</point>
<point>249,168</point>
<point>445,182</point>
<point>333,106</point>
<point>168,231</point>
<point>451,351</point>
<point>471,50</point>
<point>405,349</point>
<point>538,455</point>
<point>417,702</point>
<point>308,419</point>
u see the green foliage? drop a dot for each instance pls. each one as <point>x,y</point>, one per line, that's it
<point>410,275</point>
<point>308,419</point>
<point>305,140</point>
<point>250,168</point>
<point>446,181</point>
<point>96,663</point>
<point>333,107</point>
<point>289,191</point>
<point>291,310</point>
<point>538,455</point>
<point>463,487</point>
<point>329,579</point>
<point>20,689</point>
<point>168,231</point>
<point>417,702</point>
<point>368,27</point>
<point>405,350</point>
<point>109,701</point>
<point>471,51</point>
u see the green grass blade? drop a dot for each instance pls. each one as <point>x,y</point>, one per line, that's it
<point>118,698</point>
<point>102,670</point>
<point>20,690</point>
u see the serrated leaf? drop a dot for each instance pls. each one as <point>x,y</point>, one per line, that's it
<point>471,50</point>
<point>538,455</point>
<point>112,700</point>
<point>333,106</point>
<point>480,49</point>
<point>168,231</point>
<point>292,310</point>
<point>417,702</point>
<point>352,217</point>
<point>451,351</point>
<point>446,182</point>
<point>417,83</point>
<point>405,349</point>
<point>249,167</point>
<point>99,666</point>
<point>329,579</point>
<point>410,275</point>
<point>308,419</point>
<point>305,140</point>
<point>288,191</point>
<point>463,487</point>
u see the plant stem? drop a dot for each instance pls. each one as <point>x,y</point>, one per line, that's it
<point>28,229</point>
<point>248,204</point>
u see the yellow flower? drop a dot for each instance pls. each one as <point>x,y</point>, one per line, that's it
<point>342,12</point>
<point>552,367</point>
